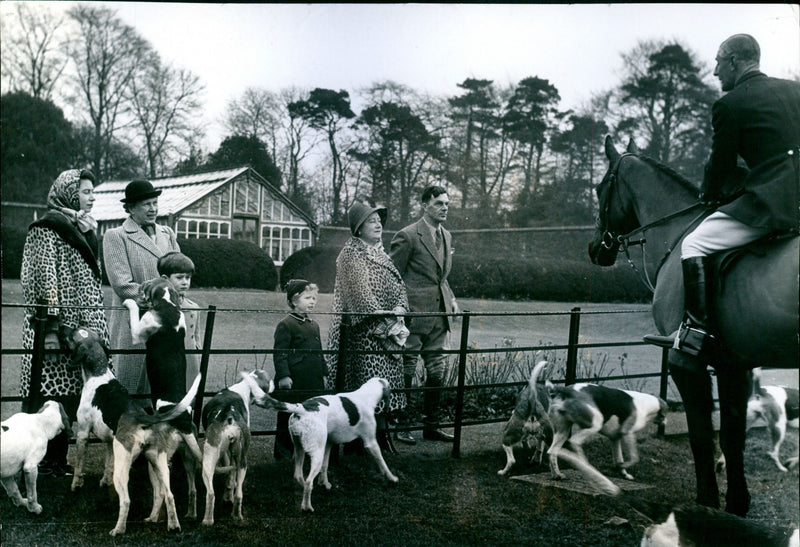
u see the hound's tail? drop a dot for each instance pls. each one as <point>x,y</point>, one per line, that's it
<point>182,406</point>
<point>310,405</point>
<point>537,371</point>
<point>757,389</point>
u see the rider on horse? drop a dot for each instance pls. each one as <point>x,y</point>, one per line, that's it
<point>759,121</point>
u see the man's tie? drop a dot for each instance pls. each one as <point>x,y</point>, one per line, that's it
<point>438,239</point>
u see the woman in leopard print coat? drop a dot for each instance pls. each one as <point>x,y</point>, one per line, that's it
<point>60,268</point>
<point>366,282</point>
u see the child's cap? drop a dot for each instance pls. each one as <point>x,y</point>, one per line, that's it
<point>295,287</point>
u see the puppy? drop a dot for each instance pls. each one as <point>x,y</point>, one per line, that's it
<point>775,407</point>
<point>529,424</point>
<point>23,444</point>
<point>226,420</point>
<point>162,328</point>
<point>579,411</point>
<point>320,422</point>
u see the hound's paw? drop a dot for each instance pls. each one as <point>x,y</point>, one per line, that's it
<point>208,522</point>
<point>77,482</point>
<point>119,530</point>
<point>34,507</point>
<point>130,304</point>
<point>19,501</point>
<point>792,462</point>
<point>326,484</point>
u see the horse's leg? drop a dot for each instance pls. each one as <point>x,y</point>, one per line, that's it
<point>695,390</point>
<point>734,390</point>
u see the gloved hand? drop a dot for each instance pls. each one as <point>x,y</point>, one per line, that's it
<point>285,383</point>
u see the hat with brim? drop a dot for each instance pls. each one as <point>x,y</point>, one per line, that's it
<point>139,190</point>
<point>359,212</point>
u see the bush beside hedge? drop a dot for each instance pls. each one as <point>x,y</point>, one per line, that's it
<point>230,263</point>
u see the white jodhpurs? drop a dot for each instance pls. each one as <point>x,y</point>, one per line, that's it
<point>719,232</point>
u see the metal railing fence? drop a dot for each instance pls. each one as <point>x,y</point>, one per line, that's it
<point>34,398</point>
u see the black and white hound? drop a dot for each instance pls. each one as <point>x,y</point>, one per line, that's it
<point>226,420</point>
<point>320,422</point>
<point>579,411</point>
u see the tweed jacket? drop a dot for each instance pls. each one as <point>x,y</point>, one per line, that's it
<point>759,121</point>
<point>414,253</point>
<point>130,257</point>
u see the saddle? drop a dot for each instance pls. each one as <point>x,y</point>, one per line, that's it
<point>724,261</point>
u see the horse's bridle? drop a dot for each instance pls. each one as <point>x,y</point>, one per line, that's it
<point>609,239</point>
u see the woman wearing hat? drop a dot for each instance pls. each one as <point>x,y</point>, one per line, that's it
<point>60,268</point>
<point>369,299</point>
<point>130,255</point>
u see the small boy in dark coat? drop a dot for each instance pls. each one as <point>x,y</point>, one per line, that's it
<point>297,371</point>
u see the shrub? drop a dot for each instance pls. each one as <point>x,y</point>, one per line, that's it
<point>13,241</point>
<point>230,263</point>
<point>485,275</point>
<point>316,264</point>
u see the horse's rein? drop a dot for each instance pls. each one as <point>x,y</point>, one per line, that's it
<point>625,242</point>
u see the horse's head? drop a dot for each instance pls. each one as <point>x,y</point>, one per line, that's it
<point>615,216</point>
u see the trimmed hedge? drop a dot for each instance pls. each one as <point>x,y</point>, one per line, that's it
<point>230,263</point>
<point>483,273</point>
<point>218,262</point>
<point>13,241</point>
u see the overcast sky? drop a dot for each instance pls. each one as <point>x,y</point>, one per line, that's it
<point>434,47</point>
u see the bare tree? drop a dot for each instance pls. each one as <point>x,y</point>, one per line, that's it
<point>33,49</point>
<point>106,56</point>
<point>164,101</point>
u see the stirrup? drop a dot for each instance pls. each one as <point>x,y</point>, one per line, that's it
<point>692,340</point>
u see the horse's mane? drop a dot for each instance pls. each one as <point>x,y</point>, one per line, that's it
<point>688,185</point>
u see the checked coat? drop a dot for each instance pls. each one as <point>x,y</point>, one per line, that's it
<point>130,257</point>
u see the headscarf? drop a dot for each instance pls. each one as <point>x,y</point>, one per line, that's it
<point>63,197</point>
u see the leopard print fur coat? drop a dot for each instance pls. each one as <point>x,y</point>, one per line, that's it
<point>58,273</point>
<point>366,281</point>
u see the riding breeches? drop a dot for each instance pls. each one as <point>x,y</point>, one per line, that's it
<point>719,232</point>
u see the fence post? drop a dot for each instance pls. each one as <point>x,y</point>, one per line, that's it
<point>207,335</point>
<point>31,404</point>
<point>462,368</point>
<point>662,389</point>
<point>572,343</point>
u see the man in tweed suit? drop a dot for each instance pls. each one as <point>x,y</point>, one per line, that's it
<point>422,254</point>
<point>131,254</point>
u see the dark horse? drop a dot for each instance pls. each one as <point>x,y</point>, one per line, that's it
<point>755,307</point>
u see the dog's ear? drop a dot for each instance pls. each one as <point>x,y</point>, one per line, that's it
<point>65,336</point>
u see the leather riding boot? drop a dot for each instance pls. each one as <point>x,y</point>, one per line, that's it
<point>734,391</point>
<point>692,336</point>
<point>698,402</point>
